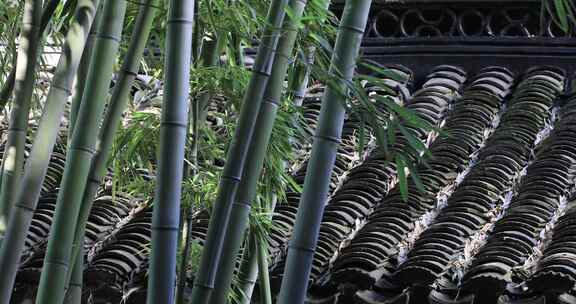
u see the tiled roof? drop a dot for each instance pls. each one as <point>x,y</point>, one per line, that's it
<point>494,190</point>
<point>495,218</point>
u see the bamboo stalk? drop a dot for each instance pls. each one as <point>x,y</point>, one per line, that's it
<point>182,274</point>
<point>80,153</point>
<point>74,291</point>
<point>324,149</point>
<point>256,153</point>
<point>302,72</point>
<point>210,54</point>
<point>204,282</point>
<point>249,269</point>
<point>25,78</point>
<point>262,256</point>
<point>173,132</point>
<point>113,117</point>
<point>82,73</point>
<point>44,141</point>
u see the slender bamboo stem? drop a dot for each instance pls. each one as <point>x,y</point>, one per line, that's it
<point>324,149</point>
<point>303,72</point>
<point>44,141</point>
<point>182,274</point>
<point>13,160</point>
<point>173,132</point>
<point>204,282</point>
<point>83,69</point>
<point>8,85</point>
<point>80,153</point>
<point>210,56</point>
<point>113,117</point>
<point>197,36</point>
<point>210,53</point>
<point>256,152</point>
<point>262,256</point>
<point>248,270</point>
<point>74,291</point>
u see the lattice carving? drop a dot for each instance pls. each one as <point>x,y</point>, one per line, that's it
<point>424,21</point>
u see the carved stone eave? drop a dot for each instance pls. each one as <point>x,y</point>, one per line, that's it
<point>472,34</point>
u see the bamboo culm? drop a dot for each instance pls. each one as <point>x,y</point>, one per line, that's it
<point>210,54</point>
<point>182,273</point>
<point>303,242</point>
<point>204,282</point>
<point>79,156</point>
<point>13,159</point>
<point>118,102</point>
<point>262,256</point>
<point>44,140</point>
<point>256,153</point>
<point>74,290</point>
<point>173,133</point>
<point>248,270</point>
<point>83,69</point>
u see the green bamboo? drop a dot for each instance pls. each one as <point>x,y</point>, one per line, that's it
<point>197,36</point>
<point>78,160</point>
<point>262,257</point>
<point>13,160</point>
<point>182,273</point>
<point>209,56</point>
<point>204,281</point>
<point>74,291</point>
<point>248,270</point>
<point>113,117</point>
<point>83,69</point>
<point>173,132</point>
<point>256,152</point>
<point>324,149</point>
<point>44,141</point>
<point>302,72</point>
<point>8,85</point>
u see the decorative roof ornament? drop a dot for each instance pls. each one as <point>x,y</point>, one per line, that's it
<point>471,34</point>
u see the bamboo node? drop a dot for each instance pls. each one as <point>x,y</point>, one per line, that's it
<point>333,139</point>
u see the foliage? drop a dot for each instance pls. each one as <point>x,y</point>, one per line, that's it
<point>239,23</point>
<point>563,13</point>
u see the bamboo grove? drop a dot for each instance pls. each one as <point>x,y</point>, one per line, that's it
<point>194,109</point>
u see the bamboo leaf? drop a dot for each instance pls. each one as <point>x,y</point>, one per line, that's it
<point>383,72</point>
<point>415,177</point>
<point>562,14</point>
<point>414,141</point>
